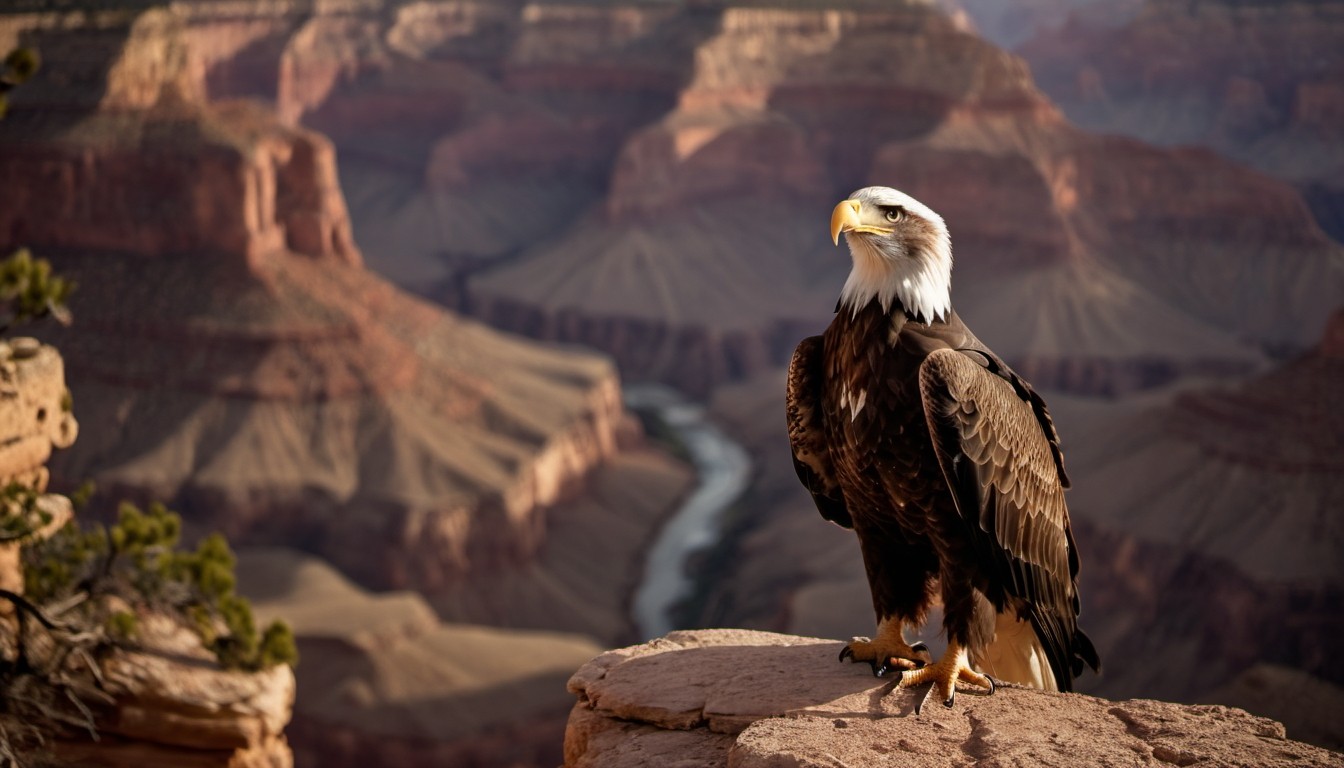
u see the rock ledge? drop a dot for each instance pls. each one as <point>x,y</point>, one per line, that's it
<point>755,699</point>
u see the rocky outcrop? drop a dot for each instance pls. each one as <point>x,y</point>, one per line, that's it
<point>35,417</point>
<point>1304,703</point>
<point>35,410</point>
<point>172,706</point>
<point>163,701</point>
<point>739,698</point>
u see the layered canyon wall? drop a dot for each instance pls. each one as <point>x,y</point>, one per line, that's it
<point>646,180</point>
<point>1258,82</point>
<point>576,171</point>
<point>239,361</point>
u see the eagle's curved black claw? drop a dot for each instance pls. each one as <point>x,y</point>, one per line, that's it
<point>993,686</point>
<point>948,703</point>
<point>922,700</point>
<point>879,669</point>
<point>846,653</point>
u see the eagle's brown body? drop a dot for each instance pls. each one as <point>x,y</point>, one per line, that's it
<point>866,406</point>
<point>883,455</point>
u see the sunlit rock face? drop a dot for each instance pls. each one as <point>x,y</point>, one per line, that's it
<point>650,180</point>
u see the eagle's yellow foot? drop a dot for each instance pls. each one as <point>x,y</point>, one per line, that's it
<point>944,674</point>
<point>887,652</point>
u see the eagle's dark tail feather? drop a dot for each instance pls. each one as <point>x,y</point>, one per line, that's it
<point>1084,653</point>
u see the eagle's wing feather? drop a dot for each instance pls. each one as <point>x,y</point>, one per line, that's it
<point>999,452</point>
<point>807,433</point>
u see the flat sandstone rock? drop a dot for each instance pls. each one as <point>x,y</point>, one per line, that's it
<point>727,697</point>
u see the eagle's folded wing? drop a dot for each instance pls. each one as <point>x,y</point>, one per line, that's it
<point>807,433</point>
<point>998,451</point>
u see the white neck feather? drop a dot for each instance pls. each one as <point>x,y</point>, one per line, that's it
<point>922,283</point>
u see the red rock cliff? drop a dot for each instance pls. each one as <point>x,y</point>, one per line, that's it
<point>234,355</point>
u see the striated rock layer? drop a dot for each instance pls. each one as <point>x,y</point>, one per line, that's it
<point>1260,82</point>
<point>627,175</point>
<point>174,707</point>
<point>1098,265</point>
<point>740,698</point>
<point>1205,520</point>
<point>233,358</point>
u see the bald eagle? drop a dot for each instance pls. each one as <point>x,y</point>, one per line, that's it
<point>945,463</point>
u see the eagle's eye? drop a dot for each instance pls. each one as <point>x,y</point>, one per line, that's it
<point>895,214</point>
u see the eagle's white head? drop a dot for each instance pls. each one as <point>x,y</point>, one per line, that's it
<point>901,250</point>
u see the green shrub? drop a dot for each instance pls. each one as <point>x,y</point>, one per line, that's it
<point>139,560</point>
<point>29,291</point>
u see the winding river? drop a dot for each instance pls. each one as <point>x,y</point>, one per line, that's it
<point>723,469</point>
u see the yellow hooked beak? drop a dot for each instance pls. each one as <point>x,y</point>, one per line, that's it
<point>845,218</point>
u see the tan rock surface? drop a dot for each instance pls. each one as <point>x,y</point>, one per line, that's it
<point>35,417</point>
<point>175,707</point>
<point>35,410</point>
<point>1309,706</point>
<point>785,701</point>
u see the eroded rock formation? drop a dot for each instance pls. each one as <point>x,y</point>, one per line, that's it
<point>163,701</point>
<point>732,697</point>
<point>647,180</point>
<point>173,706</point>
<point>1259,82</point>
<point>35,417</point>
<point>35,410</point>
<point>233,355</point>
<point>710,247</point>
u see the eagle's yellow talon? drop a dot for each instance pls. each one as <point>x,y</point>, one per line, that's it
<point>944,674</point>
<point>886,652</point>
